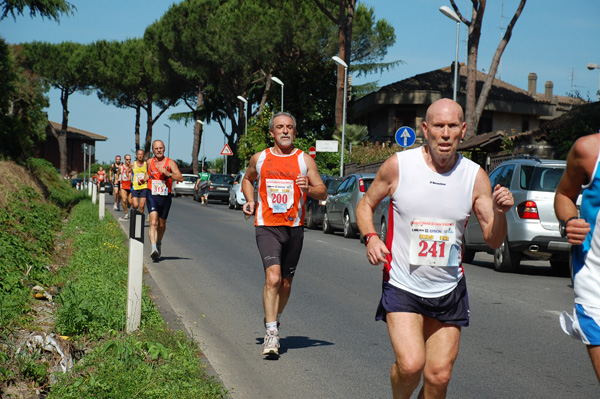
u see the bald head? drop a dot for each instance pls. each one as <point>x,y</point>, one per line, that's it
<point>444,105</point>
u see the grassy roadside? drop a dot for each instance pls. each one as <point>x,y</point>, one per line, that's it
<point>78,267</point>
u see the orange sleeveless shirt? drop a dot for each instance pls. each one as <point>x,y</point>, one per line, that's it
<point>155,174</point>
<point>280,202</point>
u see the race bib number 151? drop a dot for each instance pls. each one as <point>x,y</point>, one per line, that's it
<point>433,243</point>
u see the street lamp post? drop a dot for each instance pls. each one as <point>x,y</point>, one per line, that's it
<point>278,81</point>
<point>341,62</point>
<point>591,67</point>
<point>202,143</point>
<point>169,142</point>
<point>447,11</point>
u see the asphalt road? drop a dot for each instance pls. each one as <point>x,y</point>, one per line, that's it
<point>211,277</point>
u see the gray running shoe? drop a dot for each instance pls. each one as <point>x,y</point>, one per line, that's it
<point>158,246</point>
<point>271,343</point>
<point>155,255</point>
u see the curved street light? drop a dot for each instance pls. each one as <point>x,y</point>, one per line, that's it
<point>447,11</point>
<point>278,81</point>
<point>591,66</point>
<point>341,62</point>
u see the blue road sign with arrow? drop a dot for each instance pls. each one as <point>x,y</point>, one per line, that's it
<point>405,136</point>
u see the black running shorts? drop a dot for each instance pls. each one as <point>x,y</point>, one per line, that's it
<point>280,245</point>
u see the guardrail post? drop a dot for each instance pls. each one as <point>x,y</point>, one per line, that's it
<point>94,194</point>
<point>136,268</point>
<point>101,207</point>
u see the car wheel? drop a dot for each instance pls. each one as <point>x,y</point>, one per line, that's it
<point>383,234</point>
<point>310,222</point>
<point>349,231</point>
<point>560,266</point>
<point>505,260</point>
<point>468,256</point>
<point>327,229</point>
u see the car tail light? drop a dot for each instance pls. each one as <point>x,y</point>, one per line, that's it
<point>361,185</point>
<point>528,210</point>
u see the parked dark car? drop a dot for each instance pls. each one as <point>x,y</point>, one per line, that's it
<point>315,209</point>
<point>340,209</point>
<point>220,185</point>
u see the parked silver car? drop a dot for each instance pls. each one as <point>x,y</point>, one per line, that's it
<point>340,208</point>
<point>236,196</point>
<point>532,225</point>
<point>186,187</point>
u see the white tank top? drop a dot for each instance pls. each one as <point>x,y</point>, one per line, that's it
<point>434,209</point>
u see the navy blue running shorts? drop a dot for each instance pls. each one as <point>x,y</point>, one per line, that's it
<point>142,193</point>
<point>280,245</point>
<point>160,204</point>
<point>452,308</point>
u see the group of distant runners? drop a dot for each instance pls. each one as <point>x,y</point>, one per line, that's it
<point>146,182</point>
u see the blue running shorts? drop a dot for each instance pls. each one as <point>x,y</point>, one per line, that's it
<point>452,308</point>
<point>160,204</point>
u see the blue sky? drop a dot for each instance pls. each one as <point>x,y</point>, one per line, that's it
<point>556,39</point>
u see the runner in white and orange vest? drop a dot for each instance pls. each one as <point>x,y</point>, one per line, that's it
<point>285,175</point>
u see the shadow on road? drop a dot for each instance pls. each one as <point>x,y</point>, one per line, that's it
<point>296,342</point>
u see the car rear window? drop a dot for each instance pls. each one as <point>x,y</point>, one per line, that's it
<point>190,179</point>
<point>367,183</point>
<point>221,179</point>
<point>541,178</point>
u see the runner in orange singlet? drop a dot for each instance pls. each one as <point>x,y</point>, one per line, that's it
<point>161,173</point>
<point>285,176</point>
<point>125,176</point>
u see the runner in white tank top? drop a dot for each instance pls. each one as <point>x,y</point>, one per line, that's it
<point>435,198</point>
<point>424,298</point>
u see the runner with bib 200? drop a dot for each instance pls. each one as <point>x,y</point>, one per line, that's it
<point>424,300</point>
<point>161,173</point>
<point>285,177</point>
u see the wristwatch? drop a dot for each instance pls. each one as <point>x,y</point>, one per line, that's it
<point>367,237</point>
<point>562,226</point>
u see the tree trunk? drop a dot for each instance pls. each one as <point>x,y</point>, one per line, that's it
<point>61,136</point>
<point>197,133</point>
<point>473,46</point>
<point>475,104</point>
<point>149,123</point>
<point>137,128</point>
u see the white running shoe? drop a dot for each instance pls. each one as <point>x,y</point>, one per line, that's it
<point>115,207</point>
<point>271,346</point>
<point>124,218</point>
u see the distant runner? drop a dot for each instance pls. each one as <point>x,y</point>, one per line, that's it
<point>161,173</point>
<point>139,191</point>
<point>113,175</point>
<point>125,175</point>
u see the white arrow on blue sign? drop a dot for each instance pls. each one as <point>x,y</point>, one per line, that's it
<point>405,136</point>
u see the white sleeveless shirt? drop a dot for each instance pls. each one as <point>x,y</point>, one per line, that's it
<point>433,209</point>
